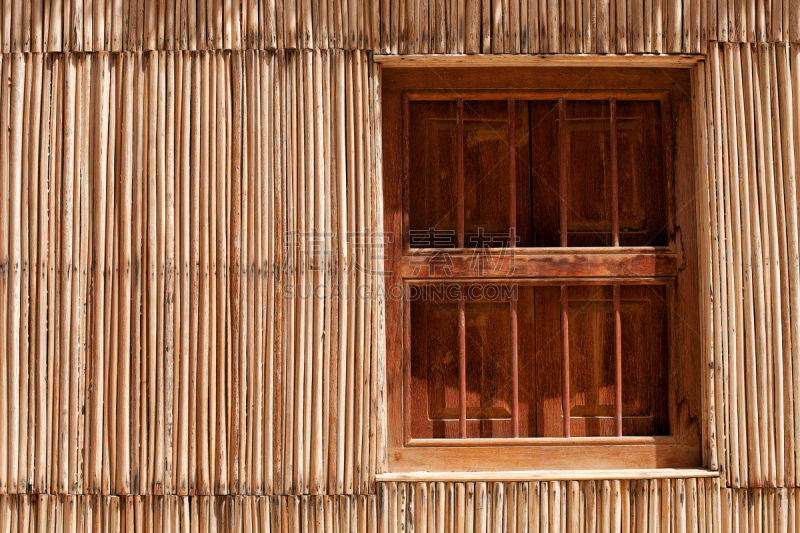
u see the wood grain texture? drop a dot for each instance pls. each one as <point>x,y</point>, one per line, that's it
<point>87,148</point>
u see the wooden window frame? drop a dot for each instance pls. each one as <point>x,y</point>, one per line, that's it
<point>674,265</point>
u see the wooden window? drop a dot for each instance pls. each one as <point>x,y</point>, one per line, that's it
<point>543,293</point>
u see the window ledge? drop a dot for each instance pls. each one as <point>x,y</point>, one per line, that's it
<point>549,475</point>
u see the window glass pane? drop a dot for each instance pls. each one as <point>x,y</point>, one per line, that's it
<point>433,174</point>
<point>642,193</point>
<point>434,360</point>
<point>642,187</point>
<point>435,384</point>
<point>643,314</point>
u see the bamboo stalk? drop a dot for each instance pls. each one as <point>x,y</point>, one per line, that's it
<point>256,435</point>
<point>603,43</point>
<point>101,122</point>
<point>717,441</point>
<point>637,29</point>
<point>158,274</point>
<point>136,276</point>
<point>725,270</point>
<point>707,326</point>
<point>195,335</point>
<point>151,317</point>
<point>246,300</point>
<point>622,27</point>
<point>312,344</point>
<point>365,277</point>
<point>703,506</point>
<point>221,459</point>
<point>320,253</point>
<point>790,440</point>
<point>764,299</point>
<point>181,323</point>
<point>291,261</point>
<point>66,270</point>
<point>789,149</point>
<point>791,19</point>
<point>50,257</point>
<point>755,345</point>
<point>79,260</point>
<point>373,403</point>
<point>26,353</point>
<point>54,342</point>
<point>5,102</point>
<point>544,506</point>
<point>424,510</point>
<point>628,506</point>
<point>278,269</point>
<point>200,21</point>
<point>56,309</point>
<point>174,328</point>
<point>126,181</point>
<point>111,296</point>
<point>733,198</point>
<point>338,125</point>
<point>330,368</point>
<point>203,438</point>
<point>41,244</point>
<point>352,339</point>
<point>574,507</point>
<point>294,238</point>
<point>15,260</point>
<point>332,348</point>
<point>235,266</point>
<point>182,479</point>
<point>141,303</point>
<point>553,26</point>
<point>169,281</point>
<point>215,403</point>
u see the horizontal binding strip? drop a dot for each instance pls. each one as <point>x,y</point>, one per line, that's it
<point>530,60</point>
<point>550,475</point>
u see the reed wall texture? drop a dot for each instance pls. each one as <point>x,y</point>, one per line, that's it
<point>165,169</point>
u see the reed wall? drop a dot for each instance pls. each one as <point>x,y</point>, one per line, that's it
<point>751,119</point>
<point>395,26</point>
<point>177,177</point>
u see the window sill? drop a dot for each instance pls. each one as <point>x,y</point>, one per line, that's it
<point>554,458</point>
<point>548,475</point>
<point>539,441</point>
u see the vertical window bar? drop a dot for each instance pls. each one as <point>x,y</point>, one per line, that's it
<point>562,192</point>
<point>462,367</point>
<point>614,177</point>
<point>514,370</point>
<point>512,172</point>
<point>462,323</point>
<point>562,179</point>
<point>565,357</point>
<point>460,163</point>
<point>617,365</point>
<point>615,242</point>
<point>512,242</point>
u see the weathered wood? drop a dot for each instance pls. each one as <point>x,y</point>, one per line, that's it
<point>140,148</point>
<point>123,434</point>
